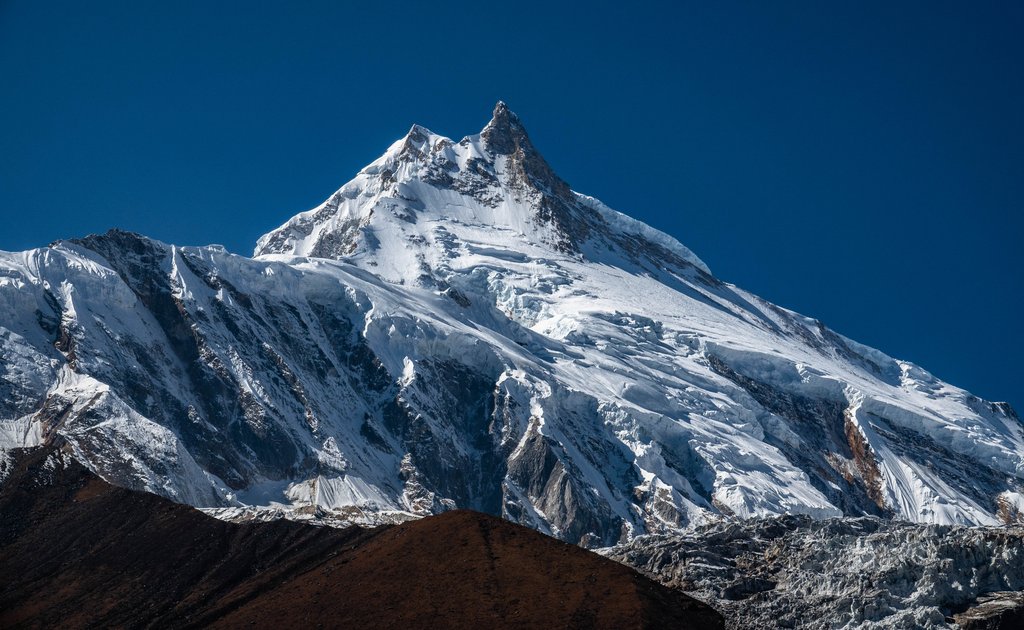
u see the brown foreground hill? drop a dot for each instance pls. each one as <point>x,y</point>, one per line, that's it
<point>78,552</point>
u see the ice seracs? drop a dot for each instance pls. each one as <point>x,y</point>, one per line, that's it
<point>863,573</point>
<point>457,327</point>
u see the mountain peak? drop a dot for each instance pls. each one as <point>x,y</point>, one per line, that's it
<point>417,131</point>
<point>505,134</point>
<point>495,181</point>
<point>417,142</point>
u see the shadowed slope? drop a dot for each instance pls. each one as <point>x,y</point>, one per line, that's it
<point>76,551</point>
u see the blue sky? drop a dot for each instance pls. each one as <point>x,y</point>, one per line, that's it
<point>862,163</point>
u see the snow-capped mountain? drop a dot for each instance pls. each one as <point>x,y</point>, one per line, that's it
<point>456,327</point>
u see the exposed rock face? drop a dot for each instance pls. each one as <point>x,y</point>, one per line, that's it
<point>76,552</point>
<point>792,572</point>
<point>994,611</point>
<point>457,328</point>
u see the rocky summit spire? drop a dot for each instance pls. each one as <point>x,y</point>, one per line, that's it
<point>506,135</point>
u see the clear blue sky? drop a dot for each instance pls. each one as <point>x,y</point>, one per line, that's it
<point>862,163</point>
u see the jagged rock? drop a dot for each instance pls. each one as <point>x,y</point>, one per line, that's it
<point>994,611</point>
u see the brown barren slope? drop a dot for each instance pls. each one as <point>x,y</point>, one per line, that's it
<point>78,552</point>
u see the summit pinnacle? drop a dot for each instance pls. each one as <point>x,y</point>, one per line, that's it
<point>505,134</point>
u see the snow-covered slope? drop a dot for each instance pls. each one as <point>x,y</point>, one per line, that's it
<point>457,327</point>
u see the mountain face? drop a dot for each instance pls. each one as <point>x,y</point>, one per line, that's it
<point>457,328</point>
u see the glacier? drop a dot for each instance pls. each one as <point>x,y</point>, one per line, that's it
<point>457,327</point>
<point>863,572</point>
